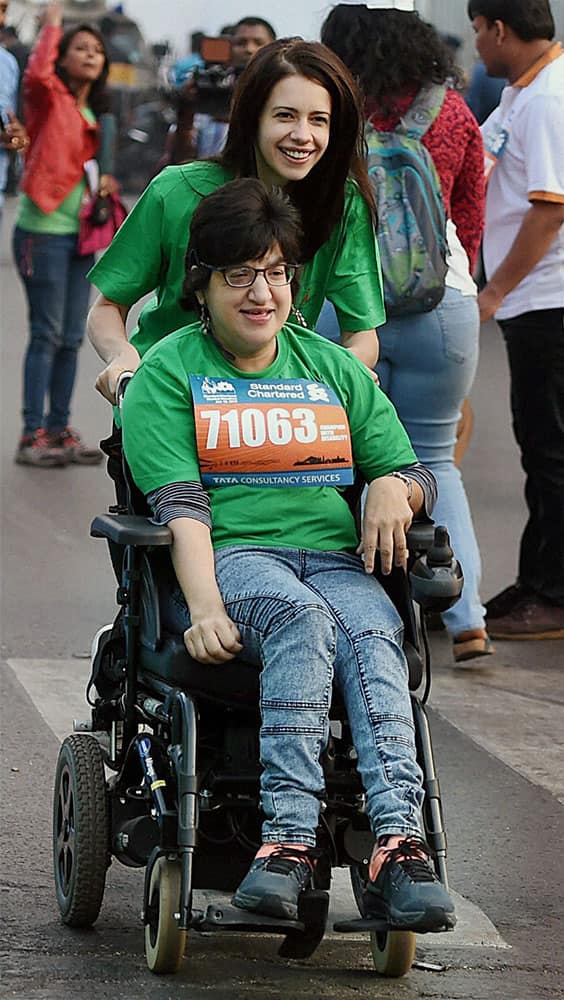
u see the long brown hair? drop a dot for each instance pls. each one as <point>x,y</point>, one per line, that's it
<point>320,196</point>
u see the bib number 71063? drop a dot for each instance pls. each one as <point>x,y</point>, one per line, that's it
<point>253,426</point>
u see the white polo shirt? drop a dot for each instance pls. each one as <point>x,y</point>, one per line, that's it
<point>531,168</point>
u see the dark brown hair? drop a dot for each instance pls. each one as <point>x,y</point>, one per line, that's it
<point>98,98</point>
<point>320,196</point>
<point>240,221</point>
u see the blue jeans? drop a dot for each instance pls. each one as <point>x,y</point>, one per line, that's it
<point>54,278</point>
<point>427,366</point>
<point>311,619</point>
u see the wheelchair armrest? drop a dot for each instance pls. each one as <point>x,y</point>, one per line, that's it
<point>130,529</point>
<point>420,536</point>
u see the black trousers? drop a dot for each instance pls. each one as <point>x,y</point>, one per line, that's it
<point>535,348</point>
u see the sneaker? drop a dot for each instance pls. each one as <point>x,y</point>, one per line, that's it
<point>407,893</point>
<point>530,619</point>
<point>71,443</point>
<point>274,883</point>
<point>505,601</point>
<point>37,449</point>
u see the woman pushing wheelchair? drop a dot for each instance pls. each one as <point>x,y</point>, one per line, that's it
<point>243,431</point>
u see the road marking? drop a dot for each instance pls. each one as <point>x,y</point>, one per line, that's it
<point>56,688</point>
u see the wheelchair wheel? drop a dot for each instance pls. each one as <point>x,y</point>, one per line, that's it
<point>164,941</point>
<point>81,830</point>
<point>393,952</point>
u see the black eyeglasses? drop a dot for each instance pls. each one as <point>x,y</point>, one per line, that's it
<point>244,276</point>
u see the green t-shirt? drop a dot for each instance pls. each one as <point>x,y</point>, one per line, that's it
<point>161,448</point>
<point>64,220</point>
<point>148,254</point>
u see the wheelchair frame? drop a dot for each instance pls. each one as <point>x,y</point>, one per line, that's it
<point>165,790</point>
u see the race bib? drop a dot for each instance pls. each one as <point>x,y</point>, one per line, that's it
<point>495,141</point>
<point>269,433</point>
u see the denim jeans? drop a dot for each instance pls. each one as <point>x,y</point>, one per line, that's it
<point>535,348</point>
<point>54,278</point>
<point>427,366</point>
<point>311,619</point>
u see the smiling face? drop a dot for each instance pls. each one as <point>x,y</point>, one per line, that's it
<point>246,321</point>
<point>84,59</point>
<point>293,131</point>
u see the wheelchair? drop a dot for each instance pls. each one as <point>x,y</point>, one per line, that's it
<point>165,775</point>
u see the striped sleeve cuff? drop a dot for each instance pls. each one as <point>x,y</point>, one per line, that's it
<point>426,480</point>
<point>180,500</point>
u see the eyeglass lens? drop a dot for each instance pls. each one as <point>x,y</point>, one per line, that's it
<point>243,277</point>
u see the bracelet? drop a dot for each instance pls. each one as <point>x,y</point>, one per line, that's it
<point>405,479</point>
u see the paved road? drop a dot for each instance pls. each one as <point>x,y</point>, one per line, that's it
<point>498,735</point>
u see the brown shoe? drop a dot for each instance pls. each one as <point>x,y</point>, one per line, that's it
<point>530,619</point>
<point>505,602</point>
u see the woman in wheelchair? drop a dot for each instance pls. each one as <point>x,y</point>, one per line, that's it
<point>242,431</point>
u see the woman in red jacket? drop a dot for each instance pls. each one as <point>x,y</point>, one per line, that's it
<point>64,93</point>
<point>428,359</point>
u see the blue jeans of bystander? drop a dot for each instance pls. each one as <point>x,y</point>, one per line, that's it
<point>311,619</point>
<point>54,278</point>
<point>427,366</point>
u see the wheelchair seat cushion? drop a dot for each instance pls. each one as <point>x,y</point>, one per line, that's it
<point>234,683</point>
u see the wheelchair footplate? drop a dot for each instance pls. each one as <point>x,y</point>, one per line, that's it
<point>380,926</point>
<point>302,936</point>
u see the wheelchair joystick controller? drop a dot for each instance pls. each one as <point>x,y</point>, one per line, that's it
<point>436,577</point>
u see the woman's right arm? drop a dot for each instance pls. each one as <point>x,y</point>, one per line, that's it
<point>212,636</point>
<point>40,70</point>
<point>106,329</point>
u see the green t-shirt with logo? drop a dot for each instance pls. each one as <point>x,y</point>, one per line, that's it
<point>147,254</point>
<point>161,439</point>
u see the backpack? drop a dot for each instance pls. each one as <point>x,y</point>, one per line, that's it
<point>411,214</point>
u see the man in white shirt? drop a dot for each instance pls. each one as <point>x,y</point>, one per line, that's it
<point>524,263</point>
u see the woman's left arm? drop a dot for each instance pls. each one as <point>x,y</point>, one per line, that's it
<point>388,513</point>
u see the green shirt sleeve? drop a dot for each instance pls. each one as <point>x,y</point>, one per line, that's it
<point>159,435</point>
<point>379,439</point>
<point>355,283</point>
<point>133,263</point>
<point>346,270</point>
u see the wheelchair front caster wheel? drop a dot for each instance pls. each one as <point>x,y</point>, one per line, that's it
<point>164,941</point>
<point>393,952</point>
<point>81,830</point>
